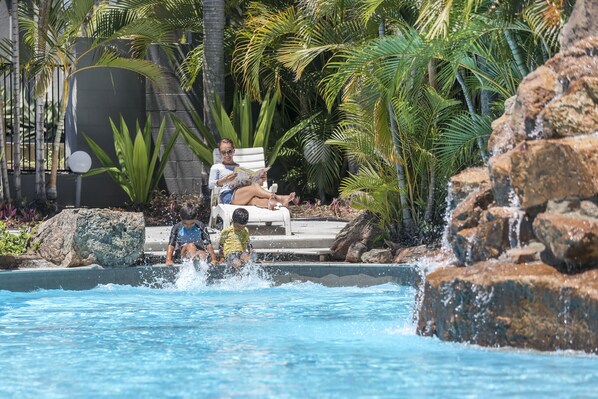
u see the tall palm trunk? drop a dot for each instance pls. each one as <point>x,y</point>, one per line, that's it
<point>431,189</point>
<point>16,92</point>
<point>40,169</point>
<point>3,166</point>
<point>213,71</point>
<point>516,53</point>
<point>407,220</point>
<point>433,82</point>
<point>52,192</point>
<point>471,108</point>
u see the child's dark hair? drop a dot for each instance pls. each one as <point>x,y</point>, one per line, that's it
<point>240,215</point>
<point>188,212</point>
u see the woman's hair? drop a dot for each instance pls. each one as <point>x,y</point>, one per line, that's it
<point>188,212</point>
<point>226,141</point>
<point>241,216</point>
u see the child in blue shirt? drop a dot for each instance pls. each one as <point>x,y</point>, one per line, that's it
<point>189,238</point>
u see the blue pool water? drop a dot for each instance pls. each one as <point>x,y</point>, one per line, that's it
<point>244,338</point>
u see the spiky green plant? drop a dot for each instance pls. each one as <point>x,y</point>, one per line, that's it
<point>238,127</point>
<point>137,170</point>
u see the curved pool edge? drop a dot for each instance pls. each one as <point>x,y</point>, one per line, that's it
<point>329,274</point>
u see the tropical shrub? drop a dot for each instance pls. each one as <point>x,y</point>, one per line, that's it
<point>14,243</point>
<point>138,170</point>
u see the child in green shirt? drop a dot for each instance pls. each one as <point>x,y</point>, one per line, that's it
<point>234,246</point>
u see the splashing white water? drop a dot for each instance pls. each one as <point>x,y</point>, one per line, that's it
<point>198,276</point>
<point>250,277</point>
<point>191,277</point>
<point>446,246</point>
<point>515,221</point>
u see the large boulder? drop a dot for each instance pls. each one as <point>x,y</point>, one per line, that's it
<point>569,231</point>
<point>535,90</point>
<point>362,229</point>
<point>574,113</point>
<point>466,182</point>
<point>495,231</point>
<point>377,255</point>
<point>535,172</point>
<point>503,138</point>
<point>567,80</point>
<point>80,237</point>
<point>479,230</point>
<point>504,304</point>
<point>581,23</point>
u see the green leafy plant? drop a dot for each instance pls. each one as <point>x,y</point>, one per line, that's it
<point>14,243</point>
<point>138,170</point>
<point>238,127</point>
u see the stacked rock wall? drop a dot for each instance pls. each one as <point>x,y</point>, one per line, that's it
<point>526,228</point>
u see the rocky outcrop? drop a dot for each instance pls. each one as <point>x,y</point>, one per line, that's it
<point>377,255</point>
<point>360,230</point>
<point>466,182</point>
<point>535,172</point>
<point>581,23</point>
<point>80,237</point>
<point>550,98</point>
<point>575,112</point>
<point>504,304</point>
<point>543,190</point>
<point>413,254</point>
<point>569,231</point>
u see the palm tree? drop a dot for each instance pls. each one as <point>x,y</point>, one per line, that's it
<point>40,158</point>
<point>16,93</point>
<point>5,192</point>
<point>284,47</point>
<point>5,56</point>
<point>213,54</point>
<point>103,24</point>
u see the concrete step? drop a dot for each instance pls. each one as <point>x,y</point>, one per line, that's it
<point>269,243</point>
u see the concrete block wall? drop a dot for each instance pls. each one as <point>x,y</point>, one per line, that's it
<point>184,173</point>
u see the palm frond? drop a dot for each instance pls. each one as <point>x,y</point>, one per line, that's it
<point>458,144</point>
<point>110,59</point>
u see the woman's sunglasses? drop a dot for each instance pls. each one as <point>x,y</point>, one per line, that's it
<point>227,152</point>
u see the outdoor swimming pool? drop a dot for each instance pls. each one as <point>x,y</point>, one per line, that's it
<point>244,338</point>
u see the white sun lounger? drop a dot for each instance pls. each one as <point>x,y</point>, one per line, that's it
<point>249,158</point>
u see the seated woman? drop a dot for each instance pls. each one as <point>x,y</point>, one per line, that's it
<point>221,174</point>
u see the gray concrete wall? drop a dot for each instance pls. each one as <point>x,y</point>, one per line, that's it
<point>185,173</point>
<point>4,19</point>
<point>97,95</point>
<point>96,191</point>
<point>100,94</point>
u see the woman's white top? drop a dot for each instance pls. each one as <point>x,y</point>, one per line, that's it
<point>217,172</point>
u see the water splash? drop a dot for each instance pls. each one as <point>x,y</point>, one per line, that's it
<point>537,132</point>
<point>515,220</point>
<point>446,246</point>
<point>250,277</point>
<point>199,275</point>
<point>192,276</point>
